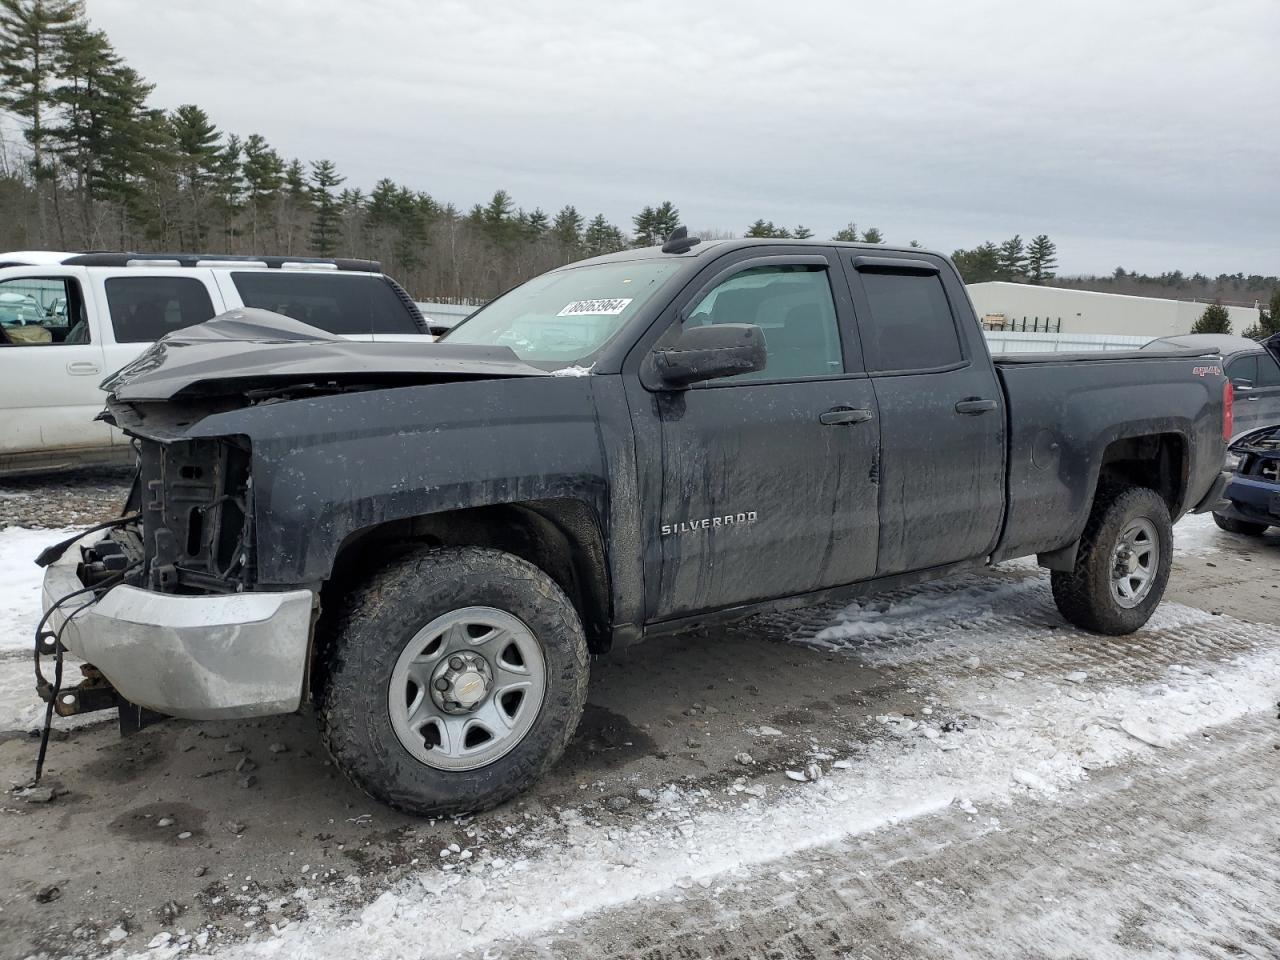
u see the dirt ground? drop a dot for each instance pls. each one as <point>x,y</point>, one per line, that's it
<point>675,805</point>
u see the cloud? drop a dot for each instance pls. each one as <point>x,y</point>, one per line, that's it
<point>1142,133</point>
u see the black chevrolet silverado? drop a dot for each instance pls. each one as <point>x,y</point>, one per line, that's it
<point>429,541</point>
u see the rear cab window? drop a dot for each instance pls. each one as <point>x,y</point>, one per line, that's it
<point>911,326</point>
<point>341,304</point>
<point>144,309</point>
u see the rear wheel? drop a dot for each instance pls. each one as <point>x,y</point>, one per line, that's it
<point>452,680</point>
<point>1122,565</point>
<point>1232,525</point>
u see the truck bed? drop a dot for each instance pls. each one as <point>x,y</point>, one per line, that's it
<point>1069,413</point>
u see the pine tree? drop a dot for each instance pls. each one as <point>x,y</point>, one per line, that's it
<point>263,172</point>
<point>766,228</point>
<point>566,229</point>
<point>873,236</point>
<point>106,134</point>
<point>31,35</point>
<point>1268,324</point>
<point>537,224</point>
<point>1042,260</point>
<point>497,219</point>
<point>198,142</point>
<point>665,220</point>
<point>848,235</point>
<point>1013,259</point>
<point>1215,319</point>
<point>802,232</point>
<point>324,224</point>
<point>646,234</point>
<point>980,264</point>
<point>601,237</point>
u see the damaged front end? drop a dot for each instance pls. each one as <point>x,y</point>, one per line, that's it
<point>1253,495</point>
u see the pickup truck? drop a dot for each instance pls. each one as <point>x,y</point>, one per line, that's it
<point>429,543</point>
<point>67,320</point>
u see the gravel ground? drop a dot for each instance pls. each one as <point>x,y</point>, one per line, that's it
<point>68,499</point>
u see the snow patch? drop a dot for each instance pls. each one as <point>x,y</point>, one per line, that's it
<point>1033,742</point>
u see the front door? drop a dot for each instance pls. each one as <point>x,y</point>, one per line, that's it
<point>50,364</point>
<point>942,414</point>
<point>767,484</point>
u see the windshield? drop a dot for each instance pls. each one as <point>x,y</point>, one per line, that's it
<point>567,316</point>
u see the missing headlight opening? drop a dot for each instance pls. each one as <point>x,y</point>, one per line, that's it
<point>195,506</point>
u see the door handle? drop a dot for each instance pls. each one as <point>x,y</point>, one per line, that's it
<point>1250,399</point>
<point>83,368</point>
<point>843,415</point>
<point>974,406</point>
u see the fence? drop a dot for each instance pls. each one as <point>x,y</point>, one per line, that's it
<point>1000,321</point>
<point>1005,341</point>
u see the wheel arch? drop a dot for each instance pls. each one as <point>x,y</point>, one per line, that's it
<point>1160,461</point>
<point>561,536</point>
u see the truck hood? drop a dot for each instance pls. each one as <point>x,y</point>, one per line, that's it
<point>250,351</point>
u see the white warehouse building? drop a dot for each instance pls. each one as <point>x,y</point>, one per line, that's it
<point>1019,306</point>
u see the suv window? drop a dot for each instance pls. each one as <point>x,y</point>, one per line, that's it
<point>144,309</point>
<point>37,311</point>
<point>911,327</point>
<point>344,305</point>
<point>1268,372</point>
<point>794,308</point>
<point>1244,368</point>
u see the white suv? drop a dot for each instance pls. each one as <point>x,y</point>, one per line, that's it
<point>68,320</point>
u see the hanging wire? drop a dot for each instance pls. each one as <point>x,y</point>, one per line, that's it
<point>97,590</point>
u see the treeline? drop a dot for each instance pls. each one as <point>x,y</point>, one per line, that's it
<point>1233,288</point>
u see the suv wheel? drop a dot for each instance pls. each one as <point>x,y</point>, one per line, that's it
<point>1232,525</point>
<point>1122,565</point>
<point>452,680</point>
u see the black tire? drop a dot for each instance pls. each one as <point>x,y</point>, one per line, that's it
<point>378,619</point>
<point>1232,525</point>
<point>1084,595</point>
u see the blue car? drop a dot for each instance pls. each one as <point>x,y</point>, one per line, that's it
<point>1254,490</point>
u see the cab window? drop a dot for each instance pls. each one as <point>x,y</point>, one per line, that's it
<point>41,311</point>
<point>793,306</point>
<point>1243,369</point>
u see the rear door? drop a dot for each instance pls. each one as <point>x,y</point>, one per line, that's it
<point>766,485</point>
<point>50,362</point>
<point>139,305</point>
<point>942,417</point>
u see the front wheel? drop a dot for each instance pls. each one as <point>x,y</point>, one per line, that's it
<point>1232,525</point>
<point>1123,563</point>
<point>451,680</point>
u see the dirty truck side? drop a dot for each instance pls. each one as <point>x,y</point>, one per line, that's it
<point>428,542</point>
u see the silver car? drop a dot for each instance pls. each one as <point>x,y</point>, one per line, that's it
<point>1253,373</point>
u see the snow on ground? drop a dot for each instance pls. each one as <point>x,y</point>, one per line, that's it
<point>1035,742</point>
<point>20,580</point>
<point>1028,736</point>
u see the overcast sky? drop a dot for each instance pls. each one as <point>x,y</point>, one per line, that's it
<point>1141,133</point>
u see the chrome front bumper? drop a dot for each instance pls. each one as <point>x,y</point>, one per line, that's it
<point>199,657</point>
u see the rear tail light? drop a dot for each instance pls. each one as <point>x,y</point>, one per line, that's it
<point>1228,414</point>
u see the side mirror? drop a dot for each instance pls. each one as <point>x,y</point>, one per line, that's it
<point>706,353</point>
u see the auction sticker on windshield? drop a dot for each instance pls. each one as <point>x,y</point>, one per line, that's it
<point>595,308</point>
